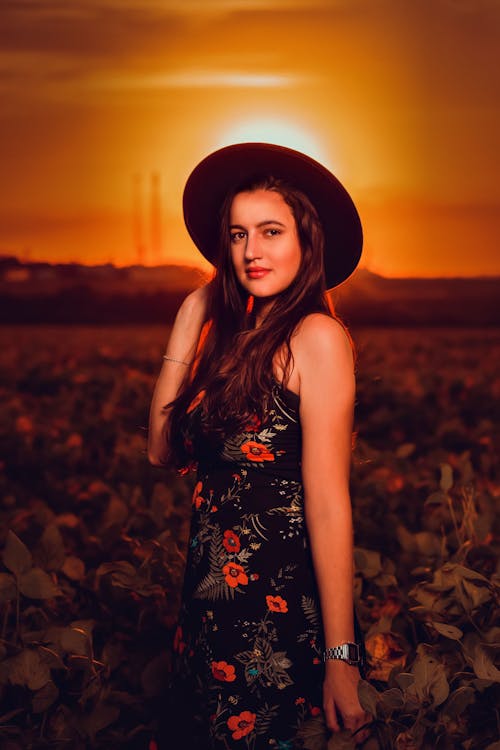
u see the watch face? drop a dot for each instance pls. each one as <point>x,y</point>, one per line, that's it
<point>353,651</point>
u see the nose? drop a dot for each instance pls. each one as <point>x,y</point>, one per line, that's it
<point>252,247</point>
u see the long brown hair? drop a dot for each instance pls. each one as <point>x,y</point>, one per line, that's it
<point>234,367</point>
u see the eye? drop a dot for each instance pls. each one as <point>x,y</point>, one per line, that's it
<point>237,236</point>
<point>272,232</point>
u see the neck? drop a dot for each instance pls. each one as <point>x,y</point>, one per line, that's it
<point>262,307</point>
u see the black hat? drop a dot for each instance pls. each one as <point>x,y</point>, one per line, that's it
<point>219,172</point>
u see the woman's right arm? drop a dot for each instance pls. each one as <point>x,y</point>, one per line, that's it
<point>182,345</point>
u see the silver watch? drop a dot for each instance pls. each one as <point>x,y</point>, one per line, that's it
<point>348,652</point>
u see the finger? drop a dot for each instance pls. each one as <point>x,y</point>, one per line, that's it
<point>331,716</point>
<point>363,730</point>
<point>361,736</point>
<point>361,739</point>
<point>352,720</point>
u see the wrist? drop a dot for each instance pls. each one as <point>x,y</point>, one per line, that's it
<point>176,360</point>
<point>341,673</point>
<point>347,651</point>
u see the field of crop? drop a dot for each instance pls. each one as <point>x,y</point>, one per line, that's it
<point>94,538</point>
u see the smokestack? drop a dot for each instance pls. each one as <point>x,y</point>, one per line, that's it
<point>138,229</point>
<point>155,218</point>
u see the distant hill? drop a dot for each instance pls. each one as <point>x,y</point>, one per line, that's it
<point>370,299</point>
<point>71,293</point>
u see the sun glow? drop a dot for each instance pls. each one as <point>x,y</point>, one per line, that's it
<point>276,131</point>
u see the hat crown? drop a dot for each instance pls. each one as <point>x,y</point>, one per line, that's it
<point>221,171</point>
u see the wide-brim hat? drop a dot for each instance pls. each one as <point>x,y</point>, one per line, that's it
<point>223,170</point>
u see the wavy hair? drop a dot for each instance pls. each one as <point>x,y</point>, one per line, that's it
<point>234,364</point>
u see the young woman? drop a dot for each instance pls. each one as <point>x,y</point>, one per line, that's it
<point>261,402</point>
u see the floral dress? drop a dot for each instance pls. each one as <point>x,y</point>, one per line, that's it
<point>248,667</point>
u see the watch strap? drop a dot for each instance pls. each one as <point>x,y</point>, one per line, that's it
<point>349,652</point>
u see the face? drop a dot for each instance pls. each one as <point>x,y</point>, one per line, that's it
<point>265,247</point>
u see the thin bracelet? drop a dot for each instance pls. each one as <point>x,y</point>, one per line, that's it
<point>180,361</point>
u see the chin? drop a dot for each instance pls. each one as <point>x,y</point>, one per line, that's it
<point>265,293</point>
<point>259,290</point>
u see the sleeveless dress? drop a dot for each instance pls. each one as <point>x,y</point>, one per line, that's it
<point>248,667</point>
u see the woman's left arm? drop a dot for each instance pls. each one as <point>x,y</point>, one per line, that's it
<point>324,360</point>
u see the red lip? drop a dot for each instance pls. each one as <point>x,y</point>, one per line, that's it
<point>256,270</point>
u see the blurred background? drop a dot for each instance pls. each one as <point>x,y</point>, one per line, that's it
<point>107,105</point>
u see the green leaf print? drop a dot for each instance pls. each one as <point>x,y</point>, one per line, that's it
<point>214,585</point>
<point>264,717</point>
<point>216,553</point>
<point>266,435</point>
<point>213,588</point>
<point>265,666</point>
<point>310,610</point>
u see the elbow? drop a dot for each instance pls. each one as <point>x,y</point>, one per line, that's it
<point>155,460</point>
<point>328,511</point>
<point>157,452</point>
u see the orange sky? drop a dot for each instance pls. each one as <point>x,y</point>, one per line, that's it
<point>398,97</point>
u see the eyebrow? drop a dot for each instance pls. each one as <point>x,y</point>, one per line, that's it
<point>260,224</point>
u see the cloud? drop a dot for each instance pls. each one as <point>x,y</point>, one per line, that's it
<point>87,30</point>
<point>197,79</point>
<point>80,9</point>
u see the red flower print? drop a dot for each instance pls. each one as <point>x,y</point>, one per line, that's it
<point>241,725</point>
<point>299,701</point>
<point>277,604</point>
<point>256,451</point>
<point>234,574</point>
<point>197,499</point>
<point>315,711</point>
<point>223,671</point>
<point>196,400</point>
<point>253,424</point>
<point>231,542</point>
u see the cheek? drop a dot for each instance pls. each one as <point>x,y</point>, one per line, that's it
<point>295,258</point>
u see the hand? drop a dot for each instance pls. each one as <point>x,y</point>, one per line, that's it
<point>182,346</point>
<point>189,321</point>
<point>340,699</point>
<point>196,302</point>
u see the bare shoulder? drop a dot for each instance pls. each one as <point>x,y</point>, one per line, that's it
<point>321,337</point>
<point>324,363</point>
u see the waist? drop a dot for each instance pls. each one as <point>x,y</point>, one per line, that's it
<point>260,473</point>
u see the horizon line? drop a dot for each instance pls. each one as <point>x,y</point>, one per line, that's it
<point>194,267</point>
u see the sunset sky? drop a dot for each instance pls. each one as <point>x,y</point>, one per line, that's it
<point>400,98</point>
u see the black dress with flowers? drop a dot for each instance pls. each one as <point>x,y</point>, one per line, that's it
<point>247,654</point>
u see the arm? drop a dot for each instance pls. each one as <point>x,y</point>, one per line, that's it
<point>182,345</point>
<point>327,391</point>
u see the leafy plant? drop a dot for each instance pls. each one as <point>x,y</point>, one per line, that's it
<point>94,541</point>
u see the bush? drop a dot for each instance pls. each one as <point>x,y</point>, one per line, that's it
<point>94,541</point>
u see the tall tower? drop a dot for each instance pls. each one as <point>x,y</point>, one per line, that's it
<point>138,229</point>
<point>155,218</point>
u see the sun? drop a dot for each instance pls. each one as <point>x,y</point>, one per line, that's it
<point>279,132</point>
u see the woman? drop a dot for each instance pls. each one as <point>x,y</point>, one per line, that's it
<point>262,404</point>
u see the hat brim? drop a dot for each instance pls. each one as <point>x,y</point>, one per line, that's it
<point>219,172</point>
